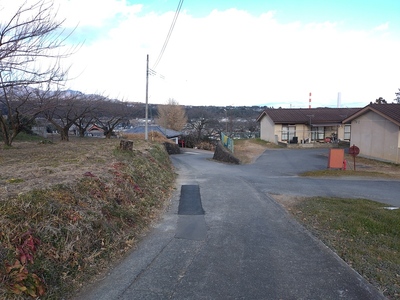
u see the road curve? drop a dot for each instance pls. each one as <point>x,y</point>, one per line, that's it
<point>244,246</point>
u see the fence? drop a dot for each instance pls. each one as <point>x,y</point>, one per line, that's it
<point>243,135</point>
<point>227,142</point>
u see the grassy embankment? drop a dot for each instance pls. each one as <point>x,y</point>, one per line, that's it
<point>68,210</point>
<point>362,232</point>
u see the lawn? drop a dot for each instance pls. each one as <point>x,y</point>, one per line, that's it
<point>364,233</point>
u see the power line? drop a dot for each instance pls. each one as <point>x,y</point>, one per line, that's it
<point>154,73</point>
<point>169,33</point>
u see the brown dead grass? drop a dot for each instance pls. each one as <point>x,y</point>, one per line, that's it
<point>64,192</point>
<point>370,165</point>
<point>29,165</point>
<point>247,151</point>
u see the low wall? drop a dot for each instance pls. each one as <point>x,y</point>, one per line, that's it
<point>308,145</point>
<point>223,154</point>
<point>172,148</point>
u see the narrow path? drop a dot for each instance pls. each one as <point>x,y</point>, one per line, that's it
<point>244,246</point>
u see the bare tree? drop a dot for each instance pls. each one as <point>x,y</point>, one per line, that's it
<point>30,44</point>
<point>397,96</point>
<point>110,114</point>
<point>20,110</point>
<point>172,115</point>
<point>86,111</point>
<point>201,119</point>
<point>64,109</point>
<point>380,100</point>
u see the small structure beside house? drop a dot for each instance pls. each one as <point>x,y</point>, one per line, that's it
<point>375,129</point>
<point>95,131</point>
<point>305,126</point>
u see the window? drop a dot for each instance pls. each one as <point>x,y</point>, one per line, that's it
<point>317,133</point>
<point>288,132</point>
<point>285,130</point>
<point>347,132</point>
<point>292,132</point>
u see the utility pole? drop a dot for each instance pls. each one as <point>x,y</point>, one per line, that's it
<point>146,133</point>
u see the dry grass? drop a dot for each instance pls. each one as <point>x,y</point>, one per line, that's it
<point>361,232</point>
<point>34,165</point>
<point>153,136</point>
<point>73,208</point>
<point>364,167</point>
<point>370,165</point>
<point>247,151</point>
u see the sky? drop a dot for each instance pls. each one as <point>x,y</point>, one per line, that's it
<point>234,53</point>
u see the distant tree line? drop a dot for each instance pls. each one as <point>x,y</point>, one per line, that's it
<point>381,100</point>
<point>31,48</point>
<point>31,79</point>
<point>397,99</point>
<point>22,107</point>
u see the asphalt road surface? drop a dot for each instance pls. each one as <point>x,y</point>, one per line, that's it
<point>224,237</point>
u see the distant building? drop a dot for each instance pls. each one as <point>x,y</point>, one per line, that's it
<point>168,133</point>
<point>95,131</point>
<point>303,125</point>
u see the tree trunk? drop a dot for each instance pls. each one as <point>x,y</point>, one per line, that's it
<point>5,133</point>
<point>81,132</point>
<point>64,134</point>
<point>126,145</point>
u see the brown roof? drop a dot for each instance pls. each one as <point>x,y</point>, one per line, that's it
<point>303,115</point>
<point>390,111</point>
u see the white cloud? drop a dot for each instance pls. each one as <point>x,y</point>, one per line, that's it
<point>382,27</point>
<point>93,12</point>
<point>233,58</point>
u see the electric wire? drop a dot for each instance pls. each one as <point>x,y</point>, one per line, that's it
<point>169,34</point>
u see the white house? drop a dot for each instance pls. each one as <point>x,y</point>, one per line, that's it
<point>301,125</point>
<point>375,129</point>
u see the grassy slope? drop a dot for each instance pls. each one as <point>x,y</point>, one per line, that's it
<point>361,232</point>
<point>55,239</point>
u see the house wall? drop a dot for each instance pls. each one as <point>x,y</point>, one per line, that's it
<point>273,132</point>
<point>376,137</point>
<point>340,132</point>
<point>267,130</point>
<point>277,132</point>
<point>40,130</point>
<point>302,131</point>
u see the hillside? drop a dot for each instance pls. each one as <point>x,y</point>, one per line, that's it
<point>68,210</point>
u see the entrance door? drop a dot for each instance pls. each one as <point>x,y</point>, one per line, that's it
<point>292,132</point>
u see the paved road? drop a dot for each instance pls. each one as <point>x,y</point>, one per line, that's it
<point>276,172</point>
<point>245,246</point>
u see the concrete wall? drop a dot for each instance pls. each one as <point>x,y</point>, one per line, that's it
<point>267,129</point>
<point>376,137</point>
